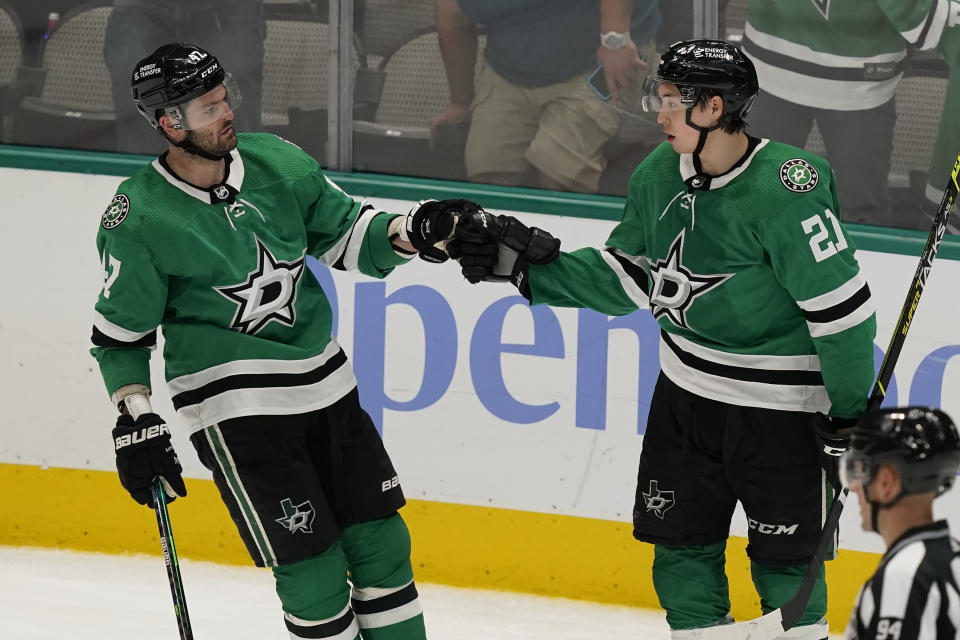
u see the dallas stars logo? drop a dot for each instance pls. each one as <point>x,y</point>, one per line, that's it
<point>658,501</point>
<point>268,294</point>
<point>823,6</point>
<point>675,287</point>
<point>798,175</point>
<point>297,518</point>
<point>116,211</point>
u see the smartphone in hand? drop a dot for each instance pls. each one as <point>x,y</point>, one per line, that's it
<point>597,81</point>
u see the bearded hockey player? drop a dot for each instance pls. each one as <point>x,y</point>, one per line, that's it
<point>208,242</point>
<point>735,245</point>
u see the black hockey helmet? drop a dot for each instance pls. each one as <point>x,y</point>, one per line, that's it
<point>921,442</point>
<point>167,80</point>
<point>701,67</point>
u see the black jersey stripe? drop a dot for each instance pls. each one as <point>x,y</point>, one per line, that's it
<point>747,374</point>
<point>390,601</point>
<point>909,595</point>
<point>927,23</point>
<point>338,263</point>
<point>258,380</point>
<point>916,602</point>
<point>636,273</point>
<point>100,339</point>
<point>324,630</point>
<point>841,309</point>
<point>847,74</point>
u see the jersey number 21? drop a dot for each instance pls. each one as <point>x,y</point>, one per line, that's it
<point>822,245</point>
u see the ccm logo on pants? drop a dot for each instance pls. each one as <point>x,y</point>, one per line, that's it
<point>772,529</point>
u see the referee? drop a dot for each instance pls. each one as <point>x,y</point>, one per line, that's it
<point>898,461</point>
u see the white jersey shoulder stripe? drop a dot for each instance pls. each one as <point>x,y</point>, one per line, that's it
<point>196,380</point>
<point>928,619</point>
<point>898,578</point>
<point>787,397</point>
<point>351,255</point>
<point>117,332</point>
<point>936,19</point>
<point>749,361</point>
<point>839,95</point>
<point>334,253</point>
<point>630,287</point>
<point>802,52</point>
<point>857,316</point>
<point>835,297</point>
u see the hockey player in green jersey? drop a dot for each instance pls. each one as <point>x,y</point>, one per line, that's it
<point>208,242</point>
<point>838,63</point>
<point>767,328</point>
<point>948,135</point>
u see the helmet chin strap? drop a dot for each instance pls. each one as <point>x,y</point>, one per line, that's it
<point>700,179</point>
<point>875,506</point>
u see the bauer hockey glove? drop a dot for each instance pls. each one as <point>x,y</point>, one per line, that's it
<point>430,224</point>
<point>500,249</point>
<point>833,438</point>
<point>144,452</point>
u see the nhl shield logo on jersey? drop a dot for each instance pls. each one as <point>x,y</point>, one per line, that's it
<point>116,211</point>
<point>296,518</point>
<point>798,175</point>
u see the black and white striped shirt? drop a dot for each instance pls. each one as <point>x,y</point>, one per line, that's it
<point>913,594</point>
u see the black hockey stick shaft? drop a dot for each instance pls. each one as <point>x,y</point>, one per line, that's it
<point>170,560</point>
<point>794,608</point>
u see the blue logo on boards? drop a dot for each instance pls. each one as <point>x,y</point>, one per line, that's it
<point>486,349</point>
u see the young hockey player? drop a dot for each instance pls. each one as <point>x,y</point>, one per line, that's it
<point>208,242</point>
<point>898,461</point>
<point>735,245</point>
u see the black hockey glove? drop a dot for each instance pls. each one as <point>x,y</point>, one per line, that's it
<point>500,249</point>
<point>143,453</point>
<point>833,437</point>
<point>432,223</point>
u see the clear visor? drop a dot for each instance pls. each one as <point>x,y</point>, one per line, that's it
<point>656,96</point>
<point>854,469</point>
<point>217,103</point>
<point>643,99</point>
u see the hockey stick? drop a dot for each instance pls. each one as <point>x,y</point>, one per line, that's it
<point>171,560</point>
<point>778,621</point>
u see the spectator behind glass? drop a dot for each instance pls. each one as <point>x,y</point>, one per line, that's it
<point>533,119</point>
<point>948,135</point>
<point>233,30</point>
<point>838,63</point>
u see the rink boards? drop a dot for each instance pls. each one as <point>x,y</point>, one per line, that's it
<point>515,430</point>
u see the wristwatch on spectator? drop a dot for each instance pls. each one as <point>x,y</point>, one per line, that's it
<point>614,39</point>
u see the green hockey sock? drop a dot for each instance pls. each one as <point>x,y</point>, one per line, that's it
<point>316,596</point>
<point>776,585</point>
<point>385,597</point>
<point>691,585</point>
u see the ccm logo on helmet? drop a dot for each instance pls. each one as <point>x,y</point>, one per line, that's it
<point>209,70</point>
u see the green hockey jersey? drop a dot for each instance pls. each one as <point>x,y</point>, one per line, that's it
<point>247,329</point>
<point>753,281</point>
<point>948,139</point>
<point>846,55</point>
